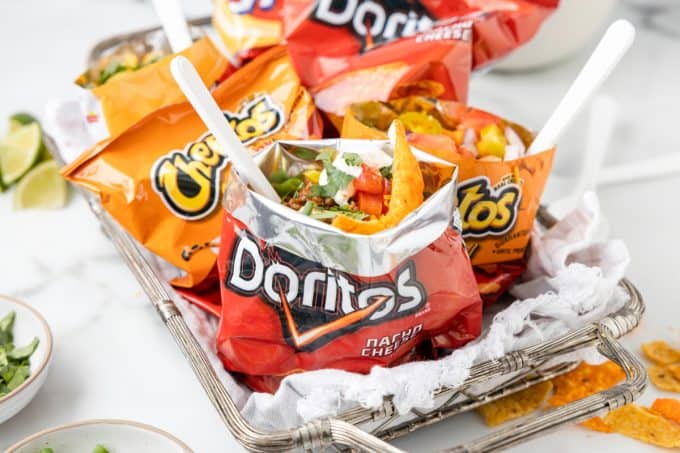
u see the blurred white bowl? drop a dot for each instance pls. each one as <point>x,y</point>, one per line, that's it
<point>117,436</point>
<point>28,325</point>
<point>565,32</point>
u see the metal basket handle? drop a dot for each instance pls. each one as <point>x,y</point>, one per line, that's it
<point>577,411</point>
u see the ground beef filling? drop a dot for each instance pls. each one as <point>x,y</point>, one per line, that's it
<point>302,196</point>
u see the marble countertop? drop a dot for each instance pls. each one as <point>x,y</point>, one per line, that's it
<point>113,357</point>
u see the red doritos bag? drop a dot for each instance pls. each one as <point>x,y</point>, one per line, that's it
<point>299,294</point>
<point>361,50</point>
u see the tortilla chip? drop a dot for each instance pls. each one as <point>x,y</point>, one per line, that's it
<point>407,189</point>
<point>515,405</point>
<point>674,369</point>
<point>661,352</point>
<point>584,381</point>
<point>429,88</point>
<point>642,424</point>
<point>663,379</point>
<point>668,408</point>
<point>597,424</point>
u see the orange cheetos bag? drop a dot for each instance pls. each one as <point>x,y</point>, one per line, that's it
<point>162,179</point>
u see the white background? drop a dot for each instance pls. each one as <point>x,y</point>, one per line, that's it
<point>113,357</point>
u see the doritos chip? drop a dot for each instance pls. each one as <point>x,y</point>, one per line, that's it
<point>661,352</point>
<point>597,424</point>
<point>663,379</point>
<point>642,424</point>
<point>162,179</point>
<point>584,381</point>
<point>515,405</point>
<point>668,408</point>
<point>129,96</point>
<point>407,189</point>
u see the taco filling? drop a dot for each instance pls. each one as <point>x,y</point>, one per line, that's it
<point>361,193</point>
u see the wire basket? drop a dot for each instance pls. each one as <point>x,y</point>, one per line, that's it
<point>369,429</point>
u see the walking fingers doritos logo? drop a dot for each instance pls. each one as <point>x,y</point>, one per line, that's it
<point>315,304</point>
<point>189,181</point>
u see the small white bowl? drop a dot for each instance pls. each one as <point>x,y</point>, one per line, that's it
<point>28,324</point>
<point>117,436</point>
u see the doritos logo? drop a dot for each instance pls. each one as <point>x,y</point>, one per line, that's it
<point>374,22</point>
<point>487,210</point>
<point>315,304</point>
<point>189,181</point>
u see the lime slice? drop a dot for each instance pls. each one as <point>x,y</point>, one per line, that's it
<point>20,119</point>
<point>19,152</point>
<point>42,188</point>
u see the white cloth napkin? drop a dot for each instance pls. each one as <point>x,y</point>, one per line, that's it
<point>571,281</point>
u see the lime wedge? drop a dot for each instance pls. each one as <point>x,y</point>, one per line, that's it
<point>19,152</point>
<point>20,119</point>
<point>42,188</point>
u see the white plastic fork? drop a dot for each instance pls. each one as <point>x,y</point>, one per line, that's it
<point>205,106</point>
<point>602,119</point>
<point>612,47</point>
<point>174,24</point>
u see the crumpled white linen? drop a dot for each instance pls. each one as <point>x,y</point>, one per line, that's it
<point>571,281</point>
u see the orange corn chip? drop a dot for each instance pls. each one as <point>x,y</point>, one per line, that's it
<point>661,352</point>
<point>597,424</point>
<point>663,379</point>
<point>407,190</point>
<point>642,424</point>
<point>667,407</point>
<point>674,370</point>
<point>584,381</point>
<point>515,405</point>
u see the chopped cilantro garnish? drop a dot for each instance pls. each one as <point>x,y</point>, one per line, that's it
<point>352,159</point>
<point>326,155</point>
<point>337,179</point>
<point>303,153</point>
<point>307,208</point>
<point>386,172</point>
<point>112,69</point>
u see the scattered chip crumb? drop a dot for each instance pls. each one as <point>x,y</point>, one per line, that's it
<point>597,424</point>
<point>643,424</point>
<point>584,381</point>
<point>515,405</point>
<point>663,379</point>
<point>661,352</point>
<point>667,408</point>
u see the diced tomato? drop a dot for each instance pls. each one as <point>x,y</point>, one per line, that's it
<point>387,186</point>
<point>370,203</point>
<point>370,180</point>
<point>439,145</point>
<point>477,119</point>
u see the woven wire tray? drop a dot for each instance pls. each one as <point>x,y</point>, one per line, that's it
<point>361,429</point>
